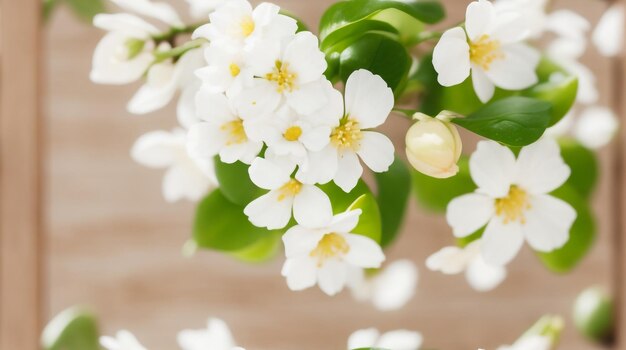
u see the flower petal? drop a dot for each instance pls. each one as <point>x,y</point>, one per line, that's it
<point>501,242</point>
<point>304,57</point>
<point>368,99</point>
<point>395,285</point>
<point>479,17</point>
<point>515,71</point>
<point>309,98</point>
<point>267,174</point>
<point>483,277</point>
<point>400,340</point>
<point>548,223</point>
<point>311,207</point>
<point>157,149</point>
<point>376,151</point>
<point>269,210</point>
<point>363,338</point>
<point>301,273</point>
<point>300,241</point>
<point>364,252</point>
<point>540,167</point>
<point>349,171</point>
<point>492,167</point>
<point>451,57</point>
<point>332,276</point>
<point>596,127</point>
<point>449,260</point>
<point>468,213</point>
<point>483,87</point>
<point>345,222</point>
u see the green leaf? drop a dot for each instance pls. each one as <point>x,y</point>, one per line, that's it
<point>341,200</point>
<point>345,13</point>
<point>338,40</point>
<point>560,94</point>
<point>582,234</point>
<point>380,55</point>
<point>394,187</point>
<point>72,329</point>
<point>266,248</point>
<point>221,225</point>
<point>584,165</point>
<point>435,194</point>
<point>48,8</point>
<point>86,9</point>
<point>235,183</point>
<point>369,221</point>
<point>515,121</point>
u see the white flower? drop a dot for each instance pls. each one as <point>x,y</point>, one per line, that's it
<point>216,336</point>
<point>164,80</point>
<point>609,34</point>
<point>186,177</point>
<point>452,260</point>
<point>392,340</point>
<point>236,24</point>
<point>222,131</point>
<point>388,290</point>
<point>125,52</point>
<point>495,54</point>
<point>368,102</point>
<point>533,11</point>
<point>324,255</point>
<point>310,205</point>
<point>123,340</point>
<point>596,127</point>
<point>567,53</point>
<point>512,200</point>
<point>533,342</point>
<point>433,146</point>
<point>201,9</point>
<point>292,71</point>
<point>161,11</point>
<point>227,70</point>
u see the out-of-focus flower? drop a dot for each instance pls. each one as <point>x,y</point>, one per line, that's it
<point>433,146</point>
<point>535,342</point>
<point>123,340</point>
<point>596,127</point>
<point>392,340</point>
<point>494,54</point>
<point>389,289</point>
<point>512,200</point>
<point>324,255</point>
<point>200,9</point>
<point>187,177</point>
<point>452,260</point>
<point>216,336</point>
<point>609,33</point>
<point>161,11</point>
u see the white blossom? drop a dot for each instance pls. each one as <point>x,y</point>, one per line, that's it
<point>227,70</point>
<point>596,127</point>
<point>123,340</point>
<point>186,177</point>
<point>390,289</point>
<point>161,11</point>
<point>216,336</point>
<point>200,9</point>
<point>392,340</point>
<point>533,342</point>
<point>324,255</point>
<point>609,33</point>
<point>512,200</point>
<point>494,54</point>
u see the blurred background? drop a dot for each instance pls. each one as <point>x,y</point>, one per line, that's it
<point>115,244</point>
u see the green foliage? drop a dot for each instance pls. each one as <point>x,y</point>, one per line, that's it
<point>515,121</point>
<point>594,314</point>
<point>369,221</point>
<point>86,9</point>
<point>435,194</point>
<point>380,55</point>
<point>582,234</point>
<point>264,249</point>
<point>235,183</point>
<point>72,329</point>
<point>341,200</point>
<point>394,187</point>
<point>584,165</point>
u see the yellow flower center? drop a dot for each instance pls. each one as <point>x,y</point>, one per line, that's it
<point>289,189</point>
<point>484,51</point>
<point>281,75</point>
<point>247,26</point>
<point>236,132</point>
<point>292,133</point>
<point>512,207</point>
<point>347,135</point>
<point>330,246</point>
<point>234,69</point>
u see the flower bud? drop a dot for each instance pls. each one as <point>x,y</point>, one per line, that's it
<point>594,314</point>
<point>433,145</point>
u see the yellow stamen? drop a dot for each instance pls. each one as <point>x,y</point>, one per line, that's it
<point>289,189</point>
<point>330,246</point>
<point>512,207</point>
<point>292,133</point>
<point>236,132</point>
<point>234,69</point>
<point>247,26</point>
<point>484,51</point>
<point>283,78</point>
<point>347,135</point>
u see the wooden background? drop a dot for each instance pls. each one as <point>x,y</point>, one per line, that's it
<point>114,244</point>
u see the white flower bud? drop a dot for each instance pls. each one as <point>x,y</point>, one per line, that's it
<point>433,146</point>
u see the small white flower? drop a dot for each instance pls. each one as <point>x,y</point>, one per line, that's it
<point>293,72</point>
<point>227,70</point>
<point>534,342</point>
<point>161,11</point>
<point>236,24</point>
<point>123,340</point>
<point>186,177</point>
<point>216,336</point>
<point>392,340</point>
<point>596,127</point>
<point>609,34</point>
<point>201,9</point>
<point>164,80</point>
<point>222,131</point>
<point>533,11</point>
<point>368,102</point>
<point>310,205</point>
<point>567,53</point>
<point>512,200</point>
<point>124,54</point>
<point>495,54</point>
<point>324,255</point>
<point>388,290</point>
<point>452,260</point>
